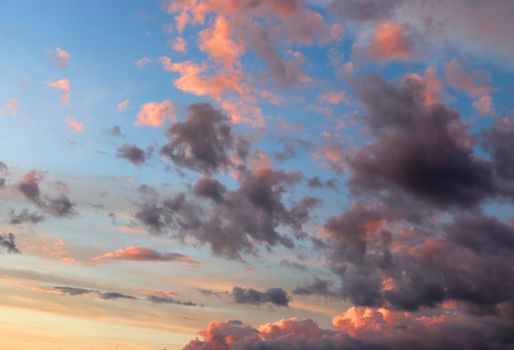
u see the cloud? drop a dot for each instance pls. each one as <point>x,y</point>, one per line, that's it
<point>179,45</point>
<point>8,243</point>
<point>391,41</point>
<point>238,220</point>
<point>359,328</point>
<point>475,83</point>
<point>275,296</point>
<point>11,107</point>
<point>403,154</point>
<point>154,114</point>
<point>498,140</point>
<point>316,287</point>
<point>133,154</point>
<point>363,10</point>
<point>62,57</point>
<point>74,291</point>
<point>333,97</point>
<point>143,61</point>
<point>201,141</point>
<point>484,105</point>
<point>123,105</point>
<point>136,253</point>
<point>24,216</point>
<point>165,299</point>
<point>65,86</point>
<point>77,126</point>
<point>60,206</point>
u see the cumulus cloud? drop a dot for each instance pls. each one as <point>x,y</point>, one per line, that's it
<point>154,114</point>
<point>201,142</point>
<point>235,221</point>
<point>133,154</point>
<point>136,253</point>
<point>275,296</point>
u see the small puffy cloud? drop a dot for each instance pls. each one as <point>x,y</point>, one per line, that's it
<point>390,41</point>
<point>484,105</point>
<point>154,114</point>
<point>133,154</point>
<point>73,123</point>
<point>24,216</point>
<point>64,85</point>
<point>136,253</point>
<point>123,106</point>
<point>62,57</point>
<point>275,296</point>
<point>179,44</point>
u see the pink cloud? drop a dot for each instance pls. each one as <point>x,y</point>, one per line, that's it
<point>391,42</point>
<point>484,105</point>
<point>64,85</point>
<point>77,126</point>
<point>123,105</point>
<point>179,45</point>
<point>62,57</point>
<point>217,42</point>
<point>136,253</point>
<point>333,97</point>
<point>433,87</point>
<point>153,114</point>
<point>10,107</point>
<point>474,83</point>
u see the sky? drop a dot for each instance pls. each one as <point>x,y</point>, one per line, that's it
<point>256,174</point>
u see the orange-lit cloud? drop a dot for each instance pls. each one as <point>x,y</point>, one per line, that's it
<point>62,57</point>
<point>391,42</point>
<point>484,105</point>
<point>75,124</point>
<point>154,114</point>
<point>64,85</point>
<point>179,44</point>
<point>136,253</point>
<point>474,83</point>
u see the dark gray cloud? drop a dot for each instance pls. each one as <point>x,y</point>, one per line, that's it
<point>363,10</point>
<point>60,206</point>
<point>133,154</point>
<point>317,287</point>
<point>115,131</point>
<point>202,141</point>
<point>159,299</point>
<point>275,296</point>
<point>210,188</point>
<point>437,166</point>
<point>236,219</point>
<point>75,291</point>
<point>8,243</point>
<point>24,216</point>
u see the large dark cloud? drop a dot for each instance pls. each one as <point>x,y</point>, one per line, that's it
<point>275,296</point>
<point>424,151</point>
<point>235,221</point>
<point>201,142</point>
<point>8,243</point>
